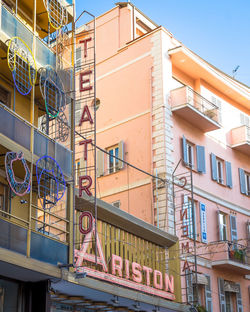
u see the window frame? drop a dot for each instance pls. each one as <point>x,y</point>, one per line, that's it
<point>190,154</point>
<point>220,165</point>
<point>222,227</point>
<point>247,181</point>
<point>115,150</point>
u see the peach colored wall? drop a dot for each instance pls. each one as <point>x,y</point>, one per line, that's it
<point>125,91</point>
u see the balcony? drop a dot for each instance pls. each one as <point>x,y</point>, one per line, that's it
<point>195,109</point>
<point>11,26</point>
<point>16,132</point>
<point>240,139</point>
<point>231,257</point>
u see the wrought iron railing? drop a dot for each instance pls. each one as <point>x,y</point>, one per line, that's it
<point>185,95</point>
<point>238,253</point>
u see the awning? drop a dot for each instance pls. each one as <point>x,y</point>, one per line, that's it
<point>201,279</point>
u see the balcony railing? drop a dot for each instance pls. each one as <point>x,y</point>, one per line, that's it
<point>189,104</point>
<point>18,130</point>
<point>12,27</point>
<point>238,253</point>
<point>231,256</point>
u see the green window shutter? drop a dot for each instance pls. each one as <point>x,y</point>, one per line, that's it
<point>242,181</point>
<point>201,161</point>
<point>100,163</point>
<point>239,300</point>
<point>208,295</point>
<point>184,149</point>
<point>222,295</point>
<point>214,167</point>
<point>121,154</point>
<point>233,228</point>
<point>229,180</point>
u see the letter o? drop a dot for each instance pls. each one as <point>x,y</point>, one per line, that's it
<point>90,217</point>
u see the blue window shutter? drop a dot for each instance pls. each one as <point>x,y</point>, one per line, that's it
<point>214,167</point>
<point>222,295</point>
<point>189,286</point>
<point>239,300</point>
<point>229,174</point>
<point>203,222</point>
<point>208,295</point>
<point>233,228</point>
<point>242,181</point>
<point>184,149</point>
<point>201,162</point>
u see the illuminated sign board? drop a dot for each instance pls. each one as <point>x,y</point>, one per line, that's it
<point>122,271</point>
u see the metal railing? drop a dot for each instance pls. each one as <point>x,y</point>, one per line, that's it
<point>238,253</point>
<point>13,27</point>
<point>185,95</point>
<point>18,129</point>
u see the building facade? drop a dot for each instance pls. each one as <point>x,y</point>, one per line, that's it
<point>53,257</point>
<point>36,202</point>
<point>174,137</point>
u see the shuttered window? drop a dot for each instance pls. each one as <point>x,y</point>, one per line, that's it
<point>244,182</point>
<point>188,155</point>
<point>229,181</point>
<point>218,166</point>
<point>187,205</point>
<point>189,287</point>
<point>201,162</point>
<point>222,223</point>
<point>222,297</point>
<point>239,300</point>
<point>233,228</point>
<point>208,295</point>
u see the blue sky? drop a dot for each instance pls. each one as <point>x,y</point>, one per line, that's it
<point>217,30</point>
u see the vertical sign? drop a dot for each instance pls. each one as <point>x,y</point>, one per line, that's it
<point>203,220</point>
<point>85,119</point>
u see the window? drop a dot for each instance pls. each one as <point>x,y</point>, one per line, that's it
<point>192,155</point>
<point>247,177</point>
<point>221,171</point>
<point>222,226</point>
<point>219,168</point>
<point>228,302</point>
<point>189,216</point>
<point>244,120</point>
<point>117,204</point>
<point>4,197</point>
<point>244,182</point>
<point>4,96</point>
<point>113,163</point>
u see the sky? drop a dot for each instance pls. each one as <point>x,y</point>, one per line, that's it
<point>216,30</point>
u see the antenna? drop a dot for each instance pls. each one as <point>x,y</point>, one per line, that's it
<point>235,70</point>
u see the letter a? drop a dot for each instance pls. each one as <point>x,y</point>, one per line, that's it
<point>82,254</point>
<point>87,118</point>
